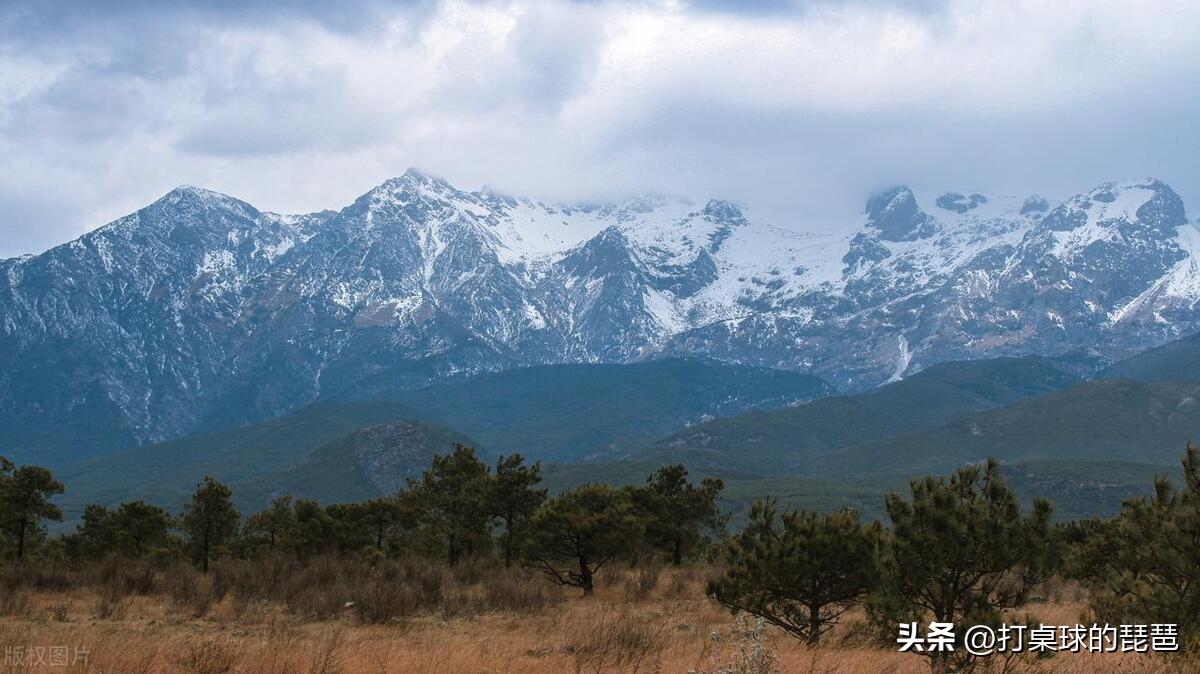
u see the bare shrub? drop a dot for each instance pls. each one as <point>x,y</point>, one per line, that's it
<point>618,641</point>
<point>15,603</point>
<point>518,593</point>
<point>110,603</point>
<point>380,601</point>
<point>122,576</point>
<point>188,588</point>
<point>207,656</point>
<point>642,582</point>
<point>51,577</point>
<point>745,651</point>
<point>315,601</point>
<point>687,581</point>
<point>472,571</point>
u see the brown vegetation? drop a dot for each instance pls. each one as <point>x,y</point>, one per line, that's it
<point>341,615</point>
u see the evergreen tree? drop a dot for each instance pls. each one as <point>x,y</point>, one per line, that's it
<point>275,526</point>
<point>577,532</point>
<point>93,537</point>
<point>210,520</point>
<point>25,501</point>
<point>383,516</point>
<point>676,512</point>
<point>961,551</point>
<point>6,469</point>
<point>137,527</point>
<point>452,498</point>
<point>514,498</point>
<point>316,531</point>
<point>800,571</point>
<point>1144,566</point>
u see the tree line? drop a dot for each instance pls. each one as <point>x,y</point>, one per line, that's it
<point>460,508</point>
<point>956,548</point>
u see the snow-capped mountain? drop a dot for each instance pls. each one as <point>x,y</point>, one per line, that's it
<point>200,310</point>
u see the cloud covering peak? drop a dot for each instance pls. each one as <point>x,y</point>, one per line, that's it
<point>798,109</point>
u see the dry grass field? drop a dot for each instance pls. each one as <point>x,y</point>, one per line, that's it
<point>475,619</point>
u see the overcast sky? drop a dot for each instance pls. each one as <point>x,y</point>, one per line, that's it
<point>797,109</point>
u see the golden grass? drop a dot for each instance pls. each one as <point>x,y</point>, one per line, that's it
<point>624,628</point>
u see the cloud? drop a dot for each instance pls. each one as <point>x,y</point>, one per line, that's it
<point>798,109</point>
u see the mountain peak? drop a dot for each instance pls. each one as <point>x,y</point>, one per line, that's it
<point>723,211</point>
<point>200,200</point>
<point>193,192</point>
<point>894,213</point>
<point>414,173</point>
<point>414,180</point>
<point>1147,201</point>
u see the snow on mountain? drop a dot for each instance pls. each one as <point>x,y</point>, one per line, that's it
<point>200,310</point>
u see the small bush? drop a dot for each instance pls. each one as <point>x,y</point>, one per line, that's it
<point>517,593</point>
<point>641,583</point>
<point>14,603</point>
<point>110,603</point>
<point>745,651</point>
<point>618,641</point>
<point>123,576</point>
<point>380,602</point>
<point>188,588</point>
<point>208,656</point>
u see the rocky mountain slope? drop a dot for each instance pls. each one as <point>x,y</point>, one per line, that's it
<point>200,311</point>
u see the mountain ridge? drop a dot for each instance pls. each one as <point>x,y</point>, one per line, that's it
<point>200,312</point>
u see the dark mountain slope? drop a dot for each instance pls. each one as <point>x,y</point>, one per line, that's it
<point>561,410</point>
<point>566,412</point>
<point>1106,420</point>
<point>166,473</point>
<point>368,463</point>
<point>1177,361</point>
<point>787,440</point>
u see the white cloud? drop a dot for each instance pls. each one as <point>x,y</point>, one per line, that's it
<point>799,112</point>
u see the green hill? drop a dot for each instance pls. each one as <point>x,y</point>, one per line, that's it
<point>570,412</point>
<point>1177,361</point>
<point>787,440</point>
<point>1087,446</point>
<point>557,411</point>
<point>1107,420</point>
<point>166,473</point>
<point>368,463</point>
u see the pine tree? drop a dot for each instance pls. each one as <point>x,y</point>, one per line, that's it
<point>210,520</point>
<point>799,572</point>
<point>316,530</point>
<point>25,501</point>
<point>579,531</point>
<point>513,499</point>
<point>383,516</point>
<point>137,527</point>
<point>276,524</point>
<point>93,537</point>
<point>1144,566</point>
<point>677,512</point>
<point>452,498</point>
<point>961,551</point>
